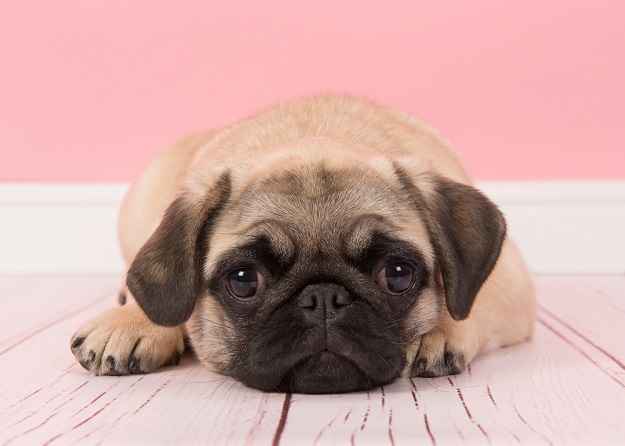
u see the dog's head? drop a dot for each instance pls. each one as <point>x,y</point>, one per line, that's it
<point>313,270</point>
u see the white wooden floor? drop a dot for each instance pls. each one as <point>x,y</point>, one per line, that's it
<point>566,387</point>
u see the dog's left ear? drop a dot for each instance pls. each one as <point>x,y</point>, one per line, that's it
<point>166,275</point>
<point>467,231</point>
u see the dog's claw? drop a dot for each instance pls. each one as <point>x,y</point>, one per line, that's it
<point>135,366</point>
<point>85,364</point>
<point>110,366</point>
<point>77,342</point>
<point>177,358</point>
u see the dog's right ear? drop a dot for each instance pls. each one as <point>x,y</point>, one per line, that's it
<point>166,276</point>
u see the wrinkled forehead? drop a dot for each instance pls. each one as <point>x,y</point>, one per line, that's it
<point>318,207</point>
<point>319,195</point>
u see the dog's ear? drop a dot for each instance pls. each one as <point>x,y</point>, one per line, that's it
<point>166,275</point>
<point>467,231</point>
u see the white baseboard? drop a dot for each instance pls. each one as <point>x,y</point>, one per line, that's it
<point>565,227</point>
<point>561,227</point>
<point>60,228</point>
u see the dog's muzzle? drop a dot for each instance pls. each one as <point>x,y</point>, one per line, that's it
<point>330,361</point>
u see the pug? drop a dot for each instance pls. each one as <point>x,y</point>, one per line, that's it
<point>323,245</point>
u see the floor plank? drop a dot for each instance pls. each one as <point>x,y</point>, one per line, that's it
<point>567,386</point>
<point>47,299</point>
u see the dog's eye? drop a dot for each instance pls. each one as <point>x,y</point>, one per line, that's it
<point>246,283</point>
<point>396,278</point>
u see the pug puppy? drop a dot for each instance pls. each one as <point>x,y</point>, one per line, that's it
<point>324,245</point>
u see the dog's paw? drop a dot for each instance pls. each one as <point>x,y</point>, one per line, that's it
<point>443,352</point>
<point>123,340</point>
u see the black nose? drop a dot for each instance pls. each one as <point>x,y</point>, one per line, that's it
<point>324,299</point>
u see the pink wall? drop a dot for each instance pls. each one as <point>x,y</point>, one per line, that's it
<point>89,91</point>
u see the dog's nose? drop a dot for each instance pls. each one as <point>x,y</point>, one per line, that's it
<point>324,299</point>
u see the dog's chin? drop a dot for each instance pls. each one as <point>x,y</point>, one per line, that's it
<point>326,372</point>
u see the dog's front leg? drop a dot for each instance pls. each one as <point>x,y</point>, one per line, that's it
<point>446,350</point>
<point>123,340</point>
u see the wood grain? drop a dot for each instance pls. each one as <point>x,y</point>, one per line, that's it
<point>567,386</point>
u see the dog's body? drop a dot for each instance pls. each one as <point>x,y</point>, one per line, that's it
<point>323,245</point>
